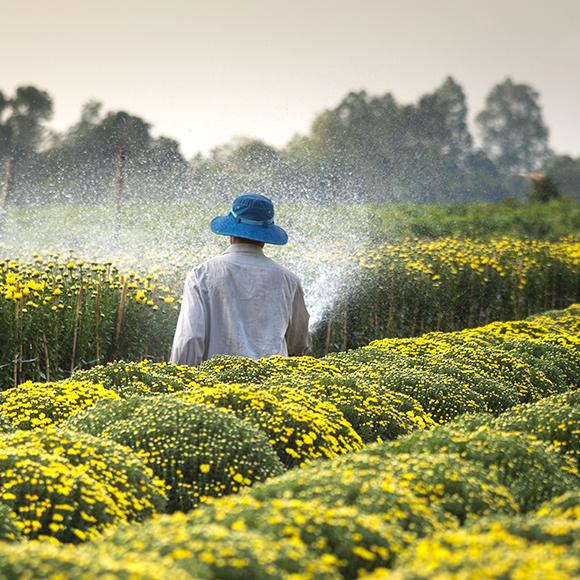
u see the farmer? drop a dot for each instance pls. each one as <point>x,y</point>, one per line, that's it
<point>241,302</point>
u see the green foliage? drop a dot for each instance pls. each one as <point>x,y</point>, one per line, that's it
<point>565,170</point>
<point>554,419</point>
<point>9,526</point>
<point>512,128</point>
<point>71,486</point>
<point>131,378</point>
<point>544,189</point>
<point>50,560</point>
<point>213,550</point>
<point>515,458</point>
<point>198,451</point>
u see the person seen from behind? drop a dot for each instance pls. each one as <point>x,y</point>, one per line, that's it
<point>242,302</point>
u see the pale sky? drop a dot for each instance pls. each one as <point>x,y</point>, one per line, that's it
<point>203,72</point>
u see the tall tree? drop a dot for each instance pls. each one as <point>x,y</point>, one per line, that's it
<point>5,132</point>
<point>452,104</point>
<point>30,108</point>
<point>512,128</point>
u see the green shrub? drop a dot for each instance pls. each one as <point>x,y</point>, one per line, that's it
<point>198,451</point>
<point>39,405</point>
<point>298,426</point>
<point>366,407</point>
<point>561,365</point>
<point>234,369</point>
<point>212,550</point>
<point>368,487</point>
<point>554,419</point>
<point>443,397</point>
<point>70,486</point>
<point>356,540</point>
<point>491,554</point>
<point>531,470</point>
<point>131,378</point>
<point>9,525</point>
<point>48,560</point>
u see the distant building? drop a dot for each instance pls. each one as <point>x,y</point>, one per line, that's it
<point>532,175</point>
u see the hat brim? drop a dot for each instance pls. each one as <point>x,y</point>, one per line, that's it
<point>228,226</point>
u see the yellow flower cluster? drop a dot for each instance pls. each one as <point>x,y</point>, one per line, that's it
<point>197,451</point>
<point>381,512</point>
<point>298,426</point>
<point>430,476</point>
<point>59,314</point>
<point>71,486</point>
<point>39,405</point>
<point>493,554</point>
<point>39,559</point>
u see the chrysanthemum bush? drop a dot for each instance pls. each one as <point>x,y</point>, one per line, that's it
<point>41,559</point>
<point>10,526</point>
<point>344,535</point>
<point>212,550</point>
<point>217,430</point>
<point>71,486</point>
<point>387,505</point>
<point>59,313</point>
<point>539,545</point>
<point>376,414</point>
<point>554,419</point>
<point>488,554</point>
<point>39,405</point>
<point>531,470</point>
<point>198,451</point>
<point>298,426</point>
<point>131,378</point>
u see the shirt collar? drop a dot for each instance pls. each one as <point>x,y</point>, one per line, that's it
<point>244,248</point>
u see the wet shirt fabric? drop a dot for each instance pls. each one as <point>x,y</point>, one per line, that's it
<point>240,303</point>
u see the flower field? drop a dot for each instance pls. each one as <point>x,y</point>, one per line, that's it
<point>452,454</point>
<point>59,314</point>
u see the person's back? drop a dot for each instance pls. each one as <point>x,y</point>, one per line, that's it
<point>241,302</point>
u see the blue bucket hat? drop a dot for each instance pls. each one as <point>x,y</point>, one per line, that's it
<point>251,217</point>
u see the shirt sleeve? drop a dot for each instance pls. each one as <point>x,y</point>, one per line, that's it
<point>298,338</point>
<point>190,335</point>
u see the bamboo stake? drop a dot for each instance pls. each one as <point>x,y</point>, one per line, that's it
<point>46,356</point>
<point>120,316</point>
<point>328,332</point>
<point>7,189</point>
<point>98,324</point>
<point>76,329</point>
<point>119,190</point>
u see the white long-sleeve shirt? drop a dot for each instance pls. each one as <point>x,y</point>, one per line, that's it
<point>240,303</point>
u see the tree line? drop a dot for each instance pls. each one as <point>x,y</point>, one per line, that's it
<point>368,148</point>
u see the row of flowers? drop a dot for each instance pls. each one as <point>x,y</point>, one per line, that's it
<point>58,313</point>
<point>122,442</point>
<point>477,497</point>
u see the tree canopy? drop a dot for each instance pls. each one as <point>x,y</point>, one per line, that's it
<point>368,148</point>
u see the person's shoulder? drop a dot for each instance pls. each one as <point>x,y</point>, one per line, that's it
<point>200,271</point>
<point>291,276</point>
